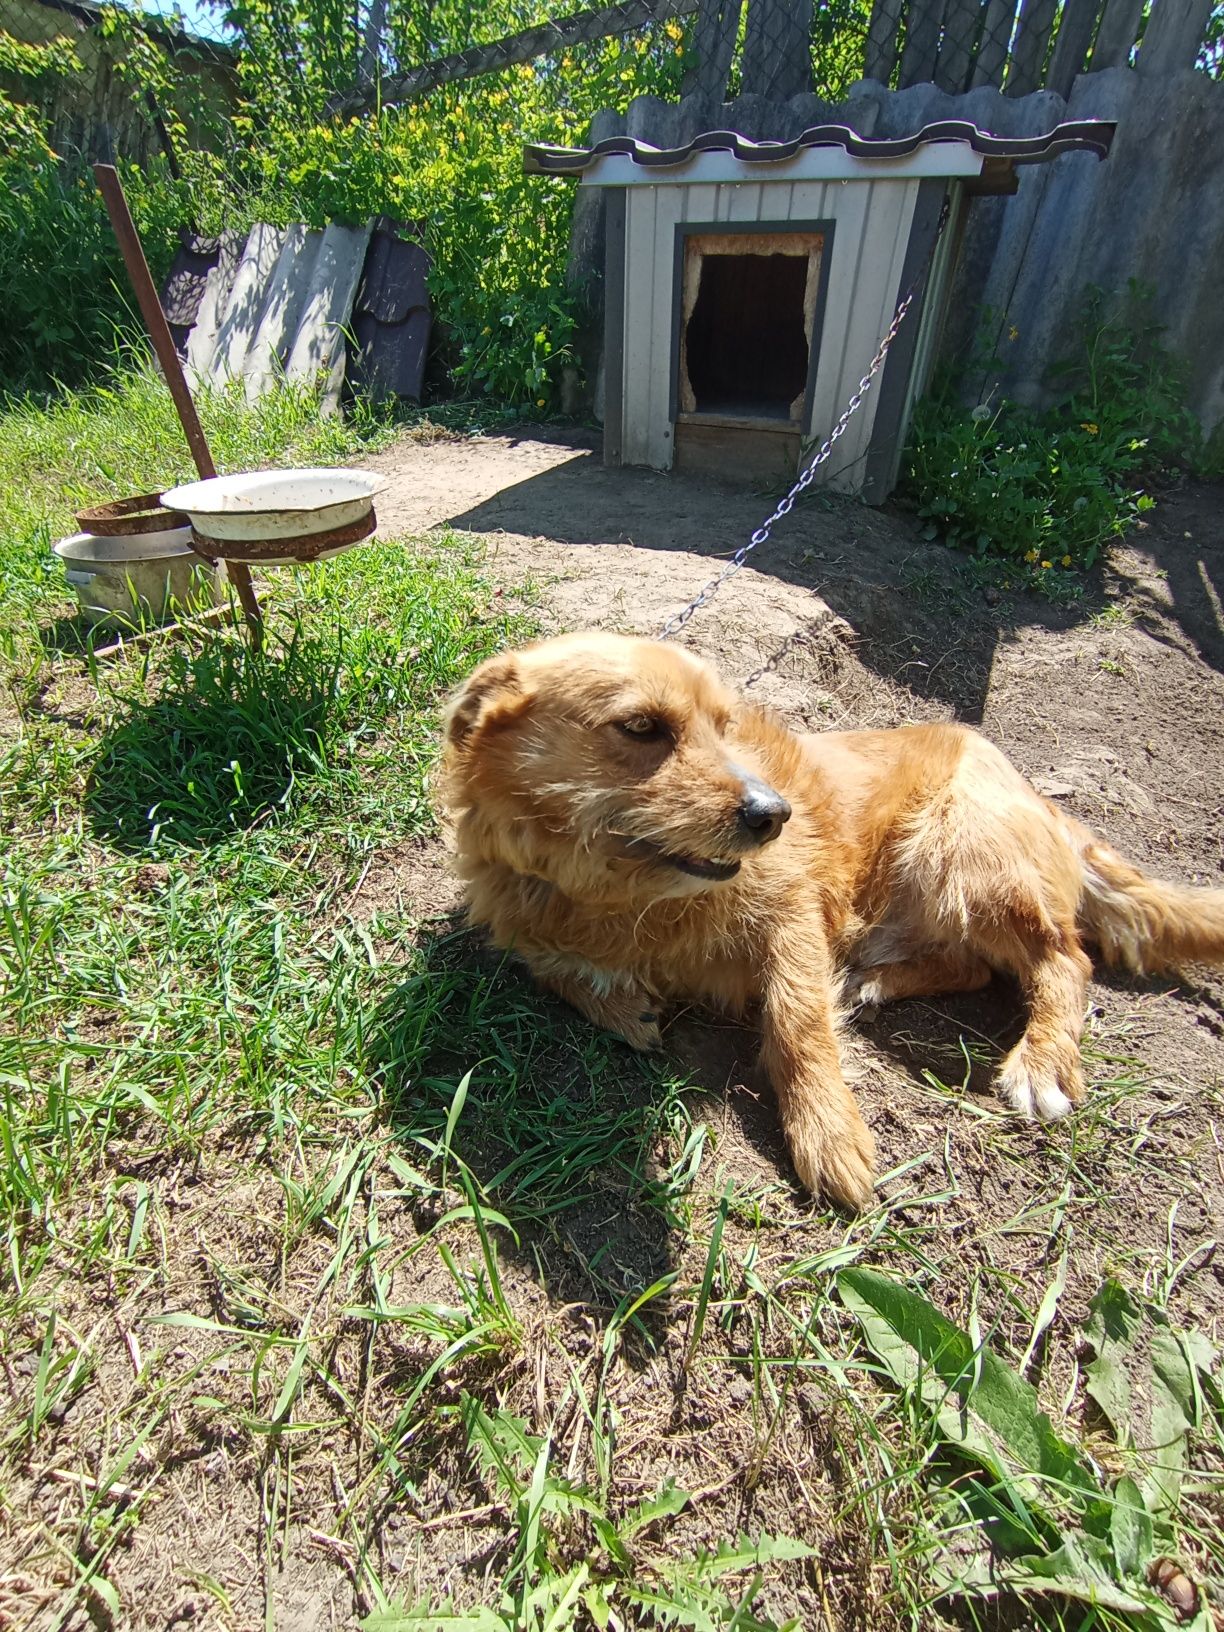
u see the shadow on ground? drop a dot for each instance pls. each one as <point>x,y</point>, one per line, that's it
<point>568,1134</point>
<point>218,750</point>
<point>923,618</point>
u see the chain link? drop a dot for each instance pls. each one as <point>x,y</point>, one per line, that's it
<point>678,620</point>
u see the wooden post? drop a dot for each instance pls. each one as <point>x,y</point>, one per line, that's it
<point>777,60</point>
<point>713,48</point>
<point>1075,30</point>
<point>138,272</point>
<point>1174,36</point>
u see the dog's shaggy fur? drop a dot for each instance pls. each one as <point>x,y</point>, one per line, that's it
<point>636,832</point>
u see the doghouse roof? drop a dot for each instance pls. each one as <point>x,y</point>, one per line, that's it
<point>952,147</point>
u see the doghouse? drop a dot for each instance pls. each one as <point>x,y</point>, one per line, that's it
<point>748,285</point>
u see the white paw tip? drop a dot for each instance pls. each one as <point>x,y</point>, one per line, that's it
<point>1035,1095</point>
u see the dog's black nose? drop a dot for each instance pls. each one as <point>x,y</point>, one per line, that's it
<point>762,811</point>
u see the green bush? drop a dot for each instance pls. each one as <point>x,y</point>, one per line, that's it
<point>1053,488</point>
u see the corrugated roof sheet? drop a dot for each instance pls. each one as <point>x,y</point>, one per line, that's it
<point>279,308</point>
<point>1084,135</point>
<point>391,318</point>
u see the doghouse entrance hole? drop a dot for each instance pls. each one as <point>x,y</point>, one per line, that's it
<point>745,342</point>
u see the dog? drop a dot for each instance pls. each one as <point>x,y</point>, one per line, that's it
<point>637,833</point>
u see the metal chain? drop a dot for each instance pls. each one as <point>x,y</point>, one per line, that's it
<point>677,622</point>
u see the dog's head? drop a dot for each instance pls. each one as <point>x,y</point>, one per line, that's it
<point>607,766</point>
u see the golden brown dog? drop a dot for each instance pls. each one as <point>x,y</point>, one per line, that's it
<point>636,832</point>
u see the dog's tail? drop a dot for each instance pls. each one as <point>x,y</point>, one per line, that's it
<point>1143,925</point>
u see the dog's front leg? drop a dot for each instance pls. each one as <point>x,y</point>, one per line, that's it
<point>830,1144</point>
<point>618,1006</point>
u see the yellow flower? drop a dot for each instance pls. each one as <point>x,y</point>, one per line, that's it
<point>1044,565</point>
<point>1031,555</point>
<point>1066,560</point>
<point>486,330</point>
<point>1013,333</point>
<point>674,31</point>
<point>541,402</point>
<point>1090,427</point>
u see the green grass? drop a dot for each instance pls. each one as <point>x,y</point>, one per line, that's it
<point>329,1245</point>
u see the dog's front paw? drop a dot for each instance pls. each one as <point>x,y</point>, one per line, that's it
<point>641,1031</point>
<point>837,1160</point>
<point>1044,1088</point>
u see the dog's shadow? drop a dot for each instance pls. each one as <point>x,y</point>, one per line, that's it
<point>589,1151</point>
<point>562,1132</point>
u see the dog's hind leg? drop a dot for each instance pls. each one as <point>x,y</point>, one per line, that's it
<point>949,969</point>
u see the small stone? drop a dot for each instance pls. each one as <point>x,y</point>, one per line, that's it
<point>991,595</point>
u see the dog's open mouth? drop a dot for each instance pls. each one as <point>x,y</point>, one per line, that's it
<point>695,866</point>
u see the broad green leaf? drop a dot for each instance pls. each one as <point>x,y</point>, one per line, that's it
<point>1112,1328</point>
<point>664,1504</point>
<point>612,1541</point>
<point>1130,1529</point>
<point>997,1422</point>
<point>1176,1408</point>
<point>1079,1569</point>
<point>598,1605</point>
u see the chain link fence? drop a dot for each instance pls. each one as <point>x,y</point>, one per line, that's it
<point>113,106</point>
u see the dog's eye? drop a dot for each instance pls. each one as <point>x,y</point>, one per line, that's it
<point>642,728</point>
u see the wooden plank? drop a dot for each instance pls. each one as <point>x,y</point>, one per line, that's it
<point>639,315</point>
<point>714,37</point>
<point>1076,27</point>
<point>996,42</point>
<point>1116,35</point>
<point>777,57</point>
<point>1174,36</point>
<point>883,33</point>
<point>1032,43</point>
<point>669,212</point>
<point>895,380</point>
<point>614,326</point>
<point>961,24</point>
<point>880,258</point>
<point>921,41</point>
<point>737,453</point>
<point>746,202</point>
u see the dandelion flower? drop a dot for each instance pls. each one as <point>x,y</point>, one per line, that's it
<point>1045,566</point>
<point>1031,555</point>
<point>1090,427</point>
<point>541,402</point>
<point>1066,560</point>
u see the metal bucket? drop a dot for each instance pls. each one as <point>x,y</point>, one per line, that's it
<point>123,583</point>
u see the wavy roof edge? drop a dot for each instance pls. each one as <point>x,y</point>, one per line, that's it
<point>1074,136</point>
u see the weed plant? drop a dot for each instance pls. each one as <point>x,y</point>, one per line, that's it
<point>1050,490</point>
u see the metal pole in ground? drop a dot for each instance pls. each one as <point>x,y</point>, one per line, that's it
<point>133,254</point>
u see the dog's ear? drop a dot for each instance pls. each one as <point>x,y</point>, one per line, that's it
<point>493,696</point>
